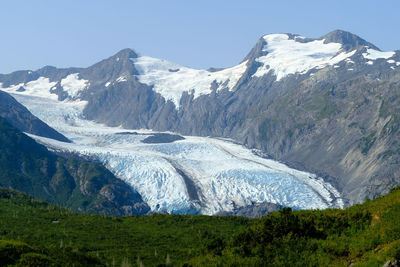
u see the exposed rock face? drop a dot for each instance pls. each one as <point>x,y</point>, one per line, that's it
<point>256,210</point>
<point>338,118</point>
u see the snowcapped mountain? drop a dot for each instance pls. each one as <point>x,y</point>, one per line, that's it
<point>326,106</point>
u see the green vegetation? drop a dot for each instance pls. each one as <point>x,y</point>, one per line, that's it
<point>321,104</point>
<point>34,233</point>
<point>367,142</point>
<point>363,235</point>
<point>267,127</point>
<point>52,231</point>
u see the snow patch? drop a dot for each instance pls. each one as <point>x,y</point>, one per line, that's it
<point>375,54</point>
<point>397,63</point>
<point>107,84</point>
<point>72,85</point>
<point>40,88</point>
<point>369,62</point>
<point>172,84</point>
<point>391,61</point>
<point>121,79</point>
<point>286,56</point>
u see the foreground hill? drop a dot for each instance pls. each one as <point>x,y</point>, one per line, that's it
<point>33,232</point>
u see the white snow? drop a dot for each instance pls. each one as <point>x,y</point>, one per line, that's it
<point>286,56</point>
<point>350,69</point>
<point>224,172</point>
<point>348,60</point>
<point>40,87</point>
<point>172,80</point>
<point>336,66</point>
<point>375,54</point>
<point>397,63</point>
<point>73,85</point>
<point>370,62</point>
<point>392,67</point>
<point>107,84</point>
<point>121,79</point>
<point>391,61</point>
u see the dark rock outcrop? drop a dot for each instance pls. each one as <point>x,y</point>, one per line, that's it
<point>255,210</point>
<point>162,138</point>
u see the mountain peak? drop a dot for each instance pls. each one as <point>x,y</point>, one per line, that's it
<point>347,39</point>
<point>126,54</point>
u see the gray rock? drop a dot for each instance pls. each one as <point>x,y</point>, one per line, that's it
<point>342,125</point>
<point>394,263</point>
<point>255,210</point>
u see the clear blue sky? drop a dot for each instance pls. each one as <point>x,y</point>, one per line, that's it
<point>197,34</point>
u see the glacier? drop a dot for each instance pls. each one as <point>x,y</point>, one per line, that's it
<point>197,175</point>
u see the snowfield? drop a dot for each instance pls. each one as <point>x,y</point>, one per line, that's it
<point>287,56</point>
<point>375,54</point>
<point>73,85</point>
<point>171,80</point>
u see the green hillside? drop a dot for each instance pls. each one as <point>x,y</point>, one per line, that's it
<point>152,240</point>
<point>363,235</point>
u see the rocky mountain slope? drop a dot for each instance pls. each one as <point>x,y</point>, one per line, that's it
<point>73,182</point>
<point>326,105</point>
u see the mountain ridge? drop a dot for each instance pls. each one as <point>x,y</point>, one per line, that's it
<point>314,113</point>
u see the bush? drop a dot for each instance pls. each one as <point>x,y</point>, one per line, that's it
<point>11,250</point>
<point>33,259</point>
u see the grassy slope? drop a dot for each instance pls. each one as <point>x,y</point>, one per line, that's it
<point>366,235</point>
<point>151,239</point>
<point>363,235</point>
